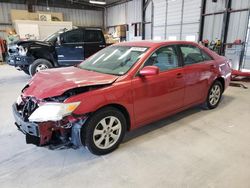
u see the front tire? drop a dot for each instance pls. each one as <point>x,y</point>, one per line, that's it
<point>26,71</point>
<point>38,65</point>
<point>214,95</point>
<point>104,131</point>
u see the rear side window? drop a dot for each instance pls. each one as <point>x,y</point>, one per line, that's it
<point>191,54</point>
<point>93,36</point>
<point>205,56</point>
<point>73,36</point>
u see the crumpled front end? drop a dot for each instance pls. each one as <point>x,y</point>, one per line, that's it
<point>55,134</point>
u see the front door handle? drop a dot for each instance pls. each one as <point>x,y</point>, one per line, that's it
<point>78,47</point>
<point>179,75</point>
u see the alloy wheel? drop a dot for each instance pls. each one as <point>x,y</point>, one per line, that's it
<point>107,132</point>
<point>214,95</point>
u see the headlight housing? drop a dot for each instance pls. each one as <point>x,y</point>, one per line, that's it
<point>22,51</point>
<point>52,111</point>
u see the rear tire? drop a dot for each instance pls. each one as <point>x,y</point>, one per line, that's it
<point>38,65</point>
<point>214,95</point>
<point>104,131</point>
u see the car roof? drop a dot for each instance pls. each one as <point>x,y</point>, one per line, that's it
<point>88,28</point>
<point>154,43</point>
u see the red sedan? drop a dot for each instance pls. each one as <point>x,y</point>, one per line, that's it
<point>120,88</point>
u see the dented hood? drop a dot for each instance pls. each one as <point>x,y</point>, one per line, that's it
<point>55,82</point>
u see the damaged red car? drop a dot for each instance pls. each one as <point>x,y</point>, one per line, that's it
<point>118,89</point>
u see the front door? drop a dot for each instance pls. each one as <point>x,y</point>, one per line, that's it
<point>156,96</point>
<point>71,49</point>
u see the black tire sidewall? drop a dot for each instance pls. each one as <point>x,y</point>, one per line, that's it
<point>26,71</point>
<point>33,66</point>
<point>209,106</point>
<point>88,130</point>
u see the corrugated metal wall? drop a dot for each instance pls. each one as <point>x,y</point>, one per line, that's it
<point>172,19</point>
<point>237,24</point>
<point>77,16</point>
<point>159,20</point>
<point>180,19</point>
<point>238,21</point>
<point>5,15</point>
<point>176,19</point>
<point>213,27</point>
<point>126,13</point>
<point>116,15</point>
<point>148,18</point>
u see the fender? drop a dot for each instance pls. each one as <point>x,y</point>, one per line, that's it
<point>93,100</point>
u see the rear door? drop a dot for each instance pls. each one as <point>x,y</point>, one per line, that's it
<point>198,69</point>
<point>93,42</point>
<point>70,51</point>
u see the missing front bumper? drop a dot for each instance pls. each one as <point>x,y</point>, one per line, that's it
<point>50,133</point>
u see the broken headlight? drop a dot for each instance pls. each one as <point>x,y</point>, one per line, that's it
<point>22,51</point>
<point>52,111</point>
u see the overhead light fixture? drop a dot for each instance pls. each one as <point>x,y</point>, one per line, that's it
<point>97,2</point>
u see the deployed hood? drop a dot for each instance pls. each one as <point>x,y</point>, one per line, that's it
<point>13,47</point>
<point>55,82</point>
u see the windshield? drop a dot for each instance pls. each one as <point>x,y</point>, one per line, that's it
<point>115,60</point>
<point>53,37</point>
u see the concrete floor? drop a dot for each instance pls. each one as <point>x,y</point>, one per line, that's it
<point>195,148</point>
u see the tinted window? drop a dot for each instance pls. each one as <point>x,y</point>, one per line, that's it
<point>93,36</point>
<point>73,36</point>
<point>191,54</point>
<point>165,58</point>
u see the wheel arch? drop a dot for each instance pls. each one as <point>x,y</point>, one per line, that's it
<point>122,109</point>
<point>222,81</point>
<point>47,57</point>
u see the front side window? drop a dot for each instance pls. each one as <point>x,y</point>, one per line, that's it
<point>191,54</point>
<point>165,58</point>
<point>73,36</point>
<point>53,37</point>
<point>115,60</point>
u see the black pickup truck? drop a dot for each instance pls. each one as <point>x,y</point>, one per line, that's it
<point>63,48</point>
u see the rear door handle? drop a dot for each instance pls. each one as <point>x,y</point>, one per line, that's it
<point>179,75</point>
<point>78,47</point>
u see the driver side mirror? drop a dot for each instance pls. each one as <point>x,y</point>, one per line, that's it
<point>149,71</point>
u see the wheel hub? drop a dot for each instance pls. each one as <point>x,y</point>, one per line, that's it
<point>41,67</point>
<point>107,132</point>
<point>214,95</point>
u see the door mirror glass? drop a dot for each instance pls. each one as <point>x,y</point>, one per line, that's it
<point>149,71</point>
